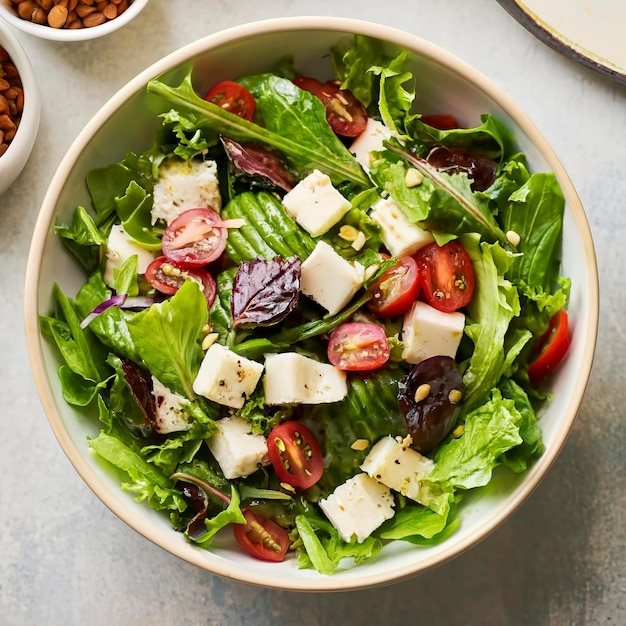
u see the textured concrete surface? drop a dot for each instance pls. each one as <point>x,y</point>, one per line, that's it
<point>561,560</point>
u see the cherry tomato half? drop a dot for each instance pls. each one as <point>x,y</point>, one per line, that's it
<point>358,346</point>
<point>167,276</point>
<point>196,237</point>
<point>551,347</point>
<point>344,113</point>
<point>442,121</point>
<point>234,98</point>
<point>396,290</point>
<point>262,537</point>
<point>446,276</point>
<point>295,454</point>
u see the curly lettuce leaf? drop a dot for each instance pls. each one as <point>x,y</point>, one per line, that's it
<point>494,304</point>
<point>143,479</point>
<point>468,461</point>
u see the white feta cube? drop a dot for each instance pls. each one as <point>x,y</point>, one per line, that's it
<point>315,204</point>
<point>329,279</point>
<point>226,377</point>
<point>370,140</point>
<point>170,416</point>
<point>358,507</point>
<point>428,332</point>
<point>185,185</point>
<point>397,466</point>
<point>292,378</point>
<point>120,247</point>
<point>238,451</point>
<point>400,236</point>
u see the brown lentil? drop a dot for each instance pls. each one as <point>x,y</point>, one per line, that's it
<point>11,100</point>
<point>68,14</point>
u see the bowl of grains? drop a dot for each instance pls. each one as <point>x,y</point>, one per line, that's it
<point>20,108</point>
<point>70,20</point>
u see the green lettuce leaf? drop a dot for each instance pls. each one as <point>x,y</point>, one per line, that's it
<point>167,336</point>
<point>468,461</point>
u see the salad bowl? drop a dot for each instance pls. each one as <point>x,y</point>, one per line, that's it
<point>443,84</point>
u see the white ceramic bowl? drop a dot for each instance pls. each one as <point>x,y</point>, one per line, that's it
<point>445,83</point>
<point>64,34</point>
<point>12,162</point>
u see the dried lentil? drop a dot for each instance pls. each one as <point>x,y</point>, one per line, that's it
<point>69,14</point>
<point>11,100</point>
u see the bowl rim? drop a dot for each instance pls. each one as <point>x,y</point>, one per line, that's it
<point>79,34</point>
<point>449,549</point>
<point>20,148</point>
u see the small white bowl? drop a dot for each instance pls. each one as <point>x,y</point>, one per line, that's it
<point>64,34</point>
<point>124,123</point>
<point>13,160</point>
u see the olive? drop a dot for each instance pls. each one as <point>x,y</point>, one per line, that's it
<point>481,169</point>
<point>429,397</point>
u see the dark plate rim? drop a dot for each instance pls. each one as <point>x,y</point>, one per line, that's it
<point>551,40</point>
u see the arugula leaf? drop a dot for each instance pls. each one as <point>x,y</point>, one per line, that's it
<point>167,337</point>
<point>288,111</point>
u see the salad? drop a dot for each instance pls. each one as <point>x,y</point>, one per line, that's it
<point>311,315</point>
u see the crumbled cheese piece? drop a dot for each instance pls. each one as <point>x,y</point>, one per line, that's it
<point>358,507</point>
<point>120,247</point>
<point>238,451</point>
<point>320,265</point>
<point>428,332</point>
<point>170,416</point>
<point>397,466</point>
<point>315,204</point>
<point>292,378</point>
<point>185,185</point>
<point>369,141</point>
<point>400,236</point>
<point>226,377</point>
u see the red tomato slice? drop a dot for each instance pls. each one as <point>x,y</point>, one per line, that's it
<point>261,537</point>
<point>167,276</point>
<point>396,290</point>
<point>345,114</point>
<point>234,98</point>
<point>295,454</point>
<point>358,346</point>
<point>446,276</point>
<point>196,237</point>
<point>551,347</point>
<point>441,121</point>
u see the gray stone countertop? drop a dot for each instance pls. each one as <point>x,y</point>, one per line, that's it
<point>561,559</point>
